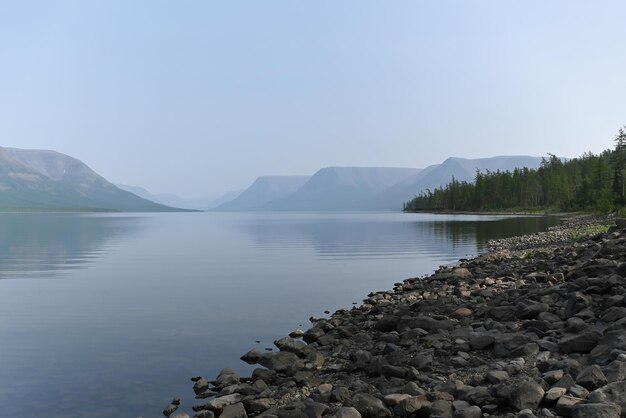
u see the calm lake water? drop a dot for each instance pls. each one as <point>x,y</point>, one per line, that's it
<point>108,315</point>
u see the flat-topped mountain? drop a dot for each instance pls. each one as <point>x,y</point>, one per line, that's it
<point>263,190</point>
<point>49,180</point>
<point>341,188</point>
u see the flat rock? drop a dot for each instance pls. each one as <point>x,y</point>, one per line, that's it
<point>345,412</point>
<point>596,410</point>
<point>235,410</point>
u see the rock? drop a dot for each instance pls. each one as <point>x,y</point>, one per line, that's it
<point>282,362</point>
<point>497,376</point>
<point>553,395</point>
<point>611,393</point>
<point>395,398</point>
<point>579,343</point>
<point>201,385</point>
<point>370,406</point>
<point>439,409</point>
<point>591,377</point>
<point>526,395</point>
<point>340,394</point>
<point>461,313</point>
<point>218,404</point>
<point>257,405</point>
<point>346,412</point>
<point>470,412</point>
<point>481,340</point>
<point>596,410</point>
<point>410,405</point>
<point>170,409</point>
<point>204,414</point>
<point>253,356</point>
<point>565,405</point>
<point>235,410</point>
<point>615,371</point>
<point>506,344</point>
<point>314,409</point>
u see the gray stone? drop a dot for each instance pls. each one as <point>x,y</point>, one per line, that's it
<point>410,405</point>
<point>480,340</point>
<point>591,377</point>
<point>615,371</point>
<point>506,344</point>
<point>348,412</point>
<point>497,376</point>
<point>579,343</point>
<point>369,406</point>
<point>200,386</point>
<point>526,395</point>
<point>253,356</point>
<point>611,393</point>
<point>440,409</point>
<point>170,409</point>
<point>596,410</point>
<point>471,412</point>
<point>234,411</point>
<point>553,395</point>
<point>565,405</point>
<point>282,362</point>
<point>257,405</point>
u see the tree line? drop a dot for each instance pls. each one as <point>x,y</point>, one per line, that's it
<point>588,183</point>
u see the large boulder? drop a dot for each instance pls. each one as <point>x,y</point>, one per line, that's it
<point>611,393</point>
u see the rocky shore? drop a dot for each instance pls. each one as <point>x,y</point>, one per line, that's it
<point>534,328</point>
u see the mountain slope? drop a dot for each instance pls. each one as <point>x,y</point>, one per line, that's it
<point>341,188</point>
<point>48,180</point>
<point>170,199</point>
<point>263,190</point>
<point>437,175</point>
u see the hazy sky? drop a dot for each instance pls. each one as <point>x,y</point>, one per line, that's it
<point>201,97</point>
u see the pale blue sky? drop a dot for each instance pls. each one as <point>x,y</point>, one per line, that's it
<point>199,97</point>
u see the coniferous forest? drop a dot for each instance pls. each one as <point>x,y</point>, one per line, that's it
<point>588,183</point>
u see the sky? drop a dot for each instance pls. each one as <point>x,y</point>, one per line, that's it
<point>199,98</point>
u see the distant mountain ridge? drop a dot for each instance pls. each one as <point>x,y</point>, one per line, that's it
<point>341,188</point>
<point>49,180</point>
<point>170,199</point>
<point>264,190</point>
<point>369,188</point>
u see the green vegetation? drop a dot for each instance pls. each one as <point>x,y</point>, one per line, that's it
<point>589,183</point>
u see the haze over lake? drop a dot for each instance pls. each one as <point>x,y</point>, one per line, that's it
<point>110,314</point>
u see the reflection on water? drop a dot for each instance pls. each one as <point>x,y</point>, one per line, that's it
<point>42,245</point>
<point>392,236</point>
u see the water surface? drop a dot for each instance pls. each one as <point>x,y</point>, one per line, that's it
<point>107,315</point>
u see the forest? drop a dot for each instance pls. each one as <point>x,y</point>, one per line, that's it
<point>588,183</point>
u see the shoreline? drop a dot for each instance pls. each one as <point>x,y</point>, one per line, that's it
<point>535,327</point>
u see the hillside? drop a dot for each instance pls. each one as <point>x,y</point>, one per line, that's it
<point>48,180</point>
<point>264,189</point>
<point>438,175</point>
<point>341,188</point>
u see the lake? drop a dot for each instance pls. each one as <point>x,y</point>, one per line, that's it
<point>106,315</point>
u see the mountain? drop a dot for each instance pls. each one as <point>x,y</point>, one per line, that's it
<point>437,175</point>
<point>341,188</point>
<point>264,189</point>
<point>48,180</point>
<point>170,199</point>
